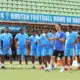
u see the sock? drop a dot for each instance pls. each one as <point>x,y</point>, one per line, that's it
<point>79,65</point>
<point>11,65</point>
<point>33,65</point>
<point>66,66</point>
<point>70,66</point>
<point>27,65</point>
<point>2,64</point>
<point>19,65</point>
<point>50,65</point>
<point>41,65</point>
<point>62,67</point>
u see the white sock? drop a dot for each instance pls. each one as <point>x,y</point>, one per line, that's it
<point>2,64</point>
<point>62,67</point>
<point>33,64</point>
<point>41,65</point>
<point>50,66</point>
<point>79,64</point>
<point>20,65</point>
<point>11,65</point>
<point>27,65</point>
<point>66,66</point>
<point>70,66</point>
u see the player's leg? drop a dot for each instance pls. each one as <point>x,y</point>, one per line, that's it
<point>19,51</point>
<point>33,61</point>
<point>44,57</point>
<point>10,57</point>
<point>66,54</point>
<point>25,53</point>
<point>32,54</point>
<point>40,61</point>
<point>71,51</point>
<point>52,60</point>
<point>66,63</point>
<point>78,58</point>
<point>48,59</point>
<point>49,54</point>
<point>63,60</point>
<point>39,57</point>
<point>2,61</point>
<point>26,59</point>
<point>55,63</point>
<point>2,58</point>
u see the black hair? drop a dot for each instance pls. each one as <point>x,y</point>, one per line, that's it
<point>33,30</point>
<point>70,26</point>
<point>21,29</point>
<point>6,27</point>
<point>59,25</point>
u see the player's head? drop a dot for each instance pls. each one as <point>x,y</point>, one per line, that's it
<point>21,30</point>
<point>69,28</point>
<point>78,37</point>
<point>53,31</point>
<point>45,29</point>
<point>79,31</point>
<point>58,27</point>
<point>6,30</point>
<point>34,32</point>
<point>38,32</point>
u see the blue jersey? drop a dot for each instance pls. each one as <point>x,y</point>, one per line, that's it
<point>77,45</point>
<point>58,45</point>
<point>0,41</point>
<point>70,39</point>
<point>22,39</point>
<point>6,38</point>
<point>49,43</point>
<point>38,43</point>
<point>33,41</point>
<point>43,39</point>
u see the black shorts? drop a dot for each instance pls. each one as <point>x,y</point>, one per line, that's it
<point>58,53</point>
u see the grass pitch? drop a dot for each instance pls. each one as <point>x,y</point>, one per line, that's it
<point>36,74</point>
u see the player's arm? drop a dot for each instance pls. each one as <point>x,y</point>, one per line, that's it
<point>16,44</point>
<point>53,38</point>
<point>27,43</point>
<point>52,44</point>
<point>2,44</point>
<point>41,43</point>
<point>27,46</point>
<point>61,39</point>
<point>10,43</point>
<point>75,42</point>
<point>11,40</point>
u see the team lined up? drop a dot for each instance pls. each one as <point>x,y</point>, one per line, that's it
<point>47,46</point>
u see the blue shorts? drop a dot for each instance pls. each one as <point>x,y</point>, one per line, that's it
<point>49,51</point>
<point>33,52</point>
<point>69,52</point>
<point>21,51</point>
<point>39,50</point>
<point>44,51</point>
<point>6,51</point>
<point>77,52</point>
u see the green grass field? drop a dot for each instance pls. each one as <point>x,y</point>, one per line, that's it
<point>36,74</point>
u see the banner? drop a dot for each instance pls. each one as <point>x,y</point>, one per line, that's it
<point>41,18</point>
